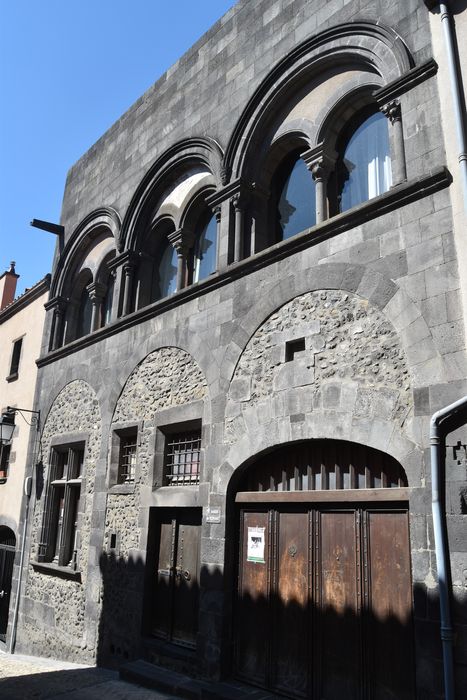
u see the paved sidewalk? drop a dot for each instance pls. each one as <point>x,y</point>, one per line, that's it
<point>32,678</point>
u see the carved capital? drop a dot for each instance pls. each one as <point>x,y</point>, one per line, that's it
<point>217,212</point>
<point>96,291</point>
<point>319,161</point>
<point>392,110</point>
<point>182,240</point>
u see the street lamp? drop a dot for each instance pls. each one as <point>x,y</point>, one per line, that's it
<point>7,427</point>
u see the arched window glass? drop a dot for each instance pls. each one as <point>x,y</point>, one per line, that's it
<point>108,300</point>
<point>167,271</point>
<point>296,206</point>
<point>84,315</point>
<point>365,168</point>
<point>206,250</point>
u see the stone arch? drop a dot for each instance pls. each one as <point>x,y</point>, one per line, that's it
<point>165,378</point>
<point>327,363</point>
<point>374,47</point>
<point>202,151</point>
<point>100,220</point>
<point>376,288</point>
<point>73,412</point>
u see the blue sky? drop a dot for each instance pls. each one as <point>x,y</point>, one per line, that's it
<point>68,70</point>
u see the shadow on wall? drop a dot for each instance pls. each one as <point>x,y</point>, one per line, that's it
<point>293,647</point>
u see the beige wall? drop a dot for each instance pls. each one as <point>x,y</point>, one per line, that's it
<point>26,323</point>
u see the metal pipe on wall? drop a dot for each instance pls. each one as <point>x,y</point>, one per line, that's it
<point>459,115</point>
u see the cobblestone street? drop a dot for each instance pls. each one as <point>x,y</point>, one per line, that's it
<point>26,677</point>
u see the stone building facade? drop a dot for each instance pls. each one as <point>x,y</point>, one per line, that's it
<point>237,378</point>
<point>21,327</point>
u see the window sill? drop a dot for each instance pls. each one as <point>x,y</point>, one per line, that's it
<point>12,377</point>
<point>55,570</point>
<point>122,488</point>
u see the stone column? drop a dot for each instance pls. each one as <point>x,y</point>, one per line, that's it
<point>218,215</point>
<point>392,110</point>
<point>129,267</point>
<point>183,241</point>
<point>238,205</point>
<point>320,175</point>
<point>58,323</point>
<point>96,292</point>
<point>320,163</point>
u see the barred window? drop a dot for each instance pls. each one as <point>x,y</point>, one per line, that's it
<point>127,459</point>
<point>182,458</point>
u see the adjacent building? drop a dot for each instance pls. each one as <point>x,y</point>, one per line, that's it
<point>258,303</point>
<point>21,329</point>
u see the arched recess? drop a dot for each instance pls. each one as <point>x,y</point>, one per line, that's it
<point>7,558</point>
<point>323,575</point>
<point>200,153</point>
<point>100,222</point>
<point>71,439</point>
<point>374,48</point>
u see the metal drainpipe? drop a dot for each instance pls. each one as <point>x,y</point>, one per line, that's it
<point>438,446</point>
<point>455,86</point>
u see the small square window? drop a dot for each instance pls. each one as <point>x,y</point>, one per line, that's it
<point>182,458</point>
<point>294,349</point>
<point>127,459</point>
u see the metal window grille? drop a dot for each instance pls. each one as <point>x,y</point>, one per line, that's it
<point>182,458</point>
<point>127,465</point>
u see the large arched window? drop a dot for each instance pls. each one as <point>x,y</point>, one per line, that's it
<point>294,198</point>
<point>363,169</point>
<point>205,252</point>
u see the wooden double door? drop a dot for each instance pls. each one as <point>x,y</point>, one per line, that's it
<point>324,604</point>
<point>174,590</point>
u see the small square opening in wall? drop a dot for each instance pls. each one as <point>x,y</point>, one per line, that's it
<point>294,349</point>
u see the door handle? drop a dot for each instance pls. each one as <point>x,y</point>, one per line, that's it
<point>186,575</point>
<point>2,594</point>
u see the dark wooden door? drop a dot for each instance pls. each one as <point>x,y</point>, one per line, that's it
<point>325,609</point>
<point>176,594</point>
<point>7,558</point>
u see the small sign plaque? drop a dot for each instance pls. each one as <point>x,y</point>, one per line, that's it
<point>255,545</point>
<point>213,515</point>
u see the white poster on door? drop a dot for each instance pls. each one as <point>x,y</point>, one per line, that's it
<point>255,546</point>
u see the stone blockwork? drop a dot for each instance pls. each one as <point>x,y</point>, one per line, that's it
<point>325,341</point>
<point>166,378</point>
<point>53,607</point>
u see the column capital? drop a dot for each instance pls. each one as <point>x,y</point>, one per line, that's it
<point>182,240</point>
<point>126,259</point>
<point>58,304</point>
<point>96,291</point>
<point>392,110</point>
<point>320,161</point>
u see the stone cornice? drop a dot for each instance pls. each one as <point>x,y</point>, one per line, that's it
<point>406,82</point>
